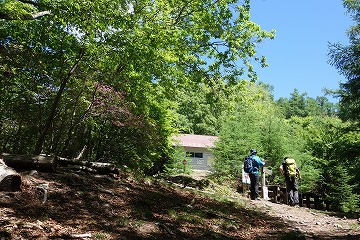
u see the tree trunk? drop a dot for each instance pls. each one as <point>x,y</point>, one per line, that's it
<point>98,167</point>
<point>41,163</point>
<point>10,181</point>
<point>54,107</point>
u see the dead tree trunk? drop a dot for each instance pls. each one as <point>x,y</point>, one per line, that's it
<point>41,163</point>
<point>96,167</point>
<point>10,181</point>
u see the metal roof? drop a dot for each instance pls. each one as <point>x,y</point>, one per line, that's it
<point>196,141</point>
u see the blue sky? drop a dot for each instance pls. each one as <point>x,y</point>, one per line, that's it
<point>297,56</point>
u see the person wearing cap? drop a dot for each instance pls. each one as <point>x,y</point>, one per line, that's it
<point>254,174</point>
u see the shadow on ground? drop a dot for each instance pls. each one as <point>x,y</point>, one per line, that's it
<point>102,207</point>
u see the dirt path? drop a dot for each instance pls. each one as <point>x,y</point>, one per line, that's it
<point>80,205</point>
<point>312,223</point>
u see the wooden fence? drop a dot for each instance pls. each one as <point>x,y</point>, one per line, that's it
<point>279,194</point>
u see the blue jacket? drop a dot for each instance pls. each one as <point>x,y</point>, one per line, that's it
<point>257,163</point>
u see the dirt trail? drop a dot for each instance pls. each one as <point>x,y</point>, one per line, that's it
<point>80,205</point>
<point>313,224</point>
<point>310,222</point>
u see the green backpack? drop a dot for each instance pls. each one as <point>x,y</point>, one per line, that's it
<point>290,167</point>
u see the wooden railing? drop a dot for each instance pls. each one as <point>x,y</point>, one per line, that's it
<point>279,194</point>
<point>311,199</point>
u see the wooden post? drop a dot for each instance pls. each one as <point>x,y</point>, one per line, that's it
<point>327,205</point>
<point>284,195</point>
<point>274,189</point>
<point>263,185</point>
<point>184,162</point>
<point>308,201</point>
<point>317,202</point>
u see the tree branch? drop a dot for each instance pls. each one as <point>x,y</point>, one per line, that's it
<point>180,13</point>
<point>25,16</point>
<point>40,14</point>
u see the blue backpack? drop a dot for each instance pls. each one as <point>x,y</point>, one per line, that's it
<point>248,164</point>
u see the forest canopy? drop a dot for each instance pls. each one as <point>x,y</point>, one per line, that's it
<point>116,79</point>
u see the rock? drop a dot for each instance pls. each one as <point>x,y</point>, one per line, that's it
<point>338,226</point>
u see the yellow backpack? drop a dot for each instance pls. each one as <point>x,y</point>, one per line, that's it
<point>290,167</point>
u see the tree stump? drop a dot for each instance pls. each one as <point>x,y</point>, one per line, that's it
<point>10,180</point>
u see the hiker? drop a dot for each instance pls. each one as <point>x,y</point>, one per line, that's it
<point>254,174</point>
<point>291,172</point>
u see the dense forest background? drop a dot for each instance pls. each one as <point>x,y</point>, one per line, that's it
<point>114,80</point>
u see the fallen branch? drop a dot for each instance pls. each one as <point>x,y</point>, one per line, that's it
<point>73,236</point>
<point>165,227</point>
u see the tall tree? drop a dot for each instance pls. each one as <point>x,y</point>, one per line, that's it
<point>143,50</point>
<point>300,105</point>
<point>345,58</point>
<point>335,158</point>
<point>253,122</point>
<point>201,105</point>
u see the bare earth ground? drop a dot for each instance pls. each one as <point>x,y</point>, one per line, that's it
<point>78,205</point>
<point>313,224</point>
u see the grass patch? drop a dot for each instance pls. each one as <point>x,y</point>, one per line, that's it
<point>101,236</point>
<point>195,216</point>
<point>122,221</point>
